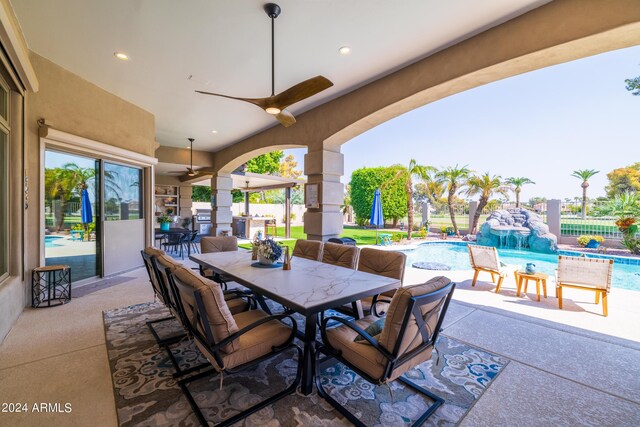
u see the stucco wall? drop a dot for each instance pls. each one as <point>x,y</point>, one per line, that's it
<point>74,105</point>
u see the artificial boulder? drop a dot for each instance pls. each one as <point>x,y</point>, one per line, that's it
<point>517,228</point>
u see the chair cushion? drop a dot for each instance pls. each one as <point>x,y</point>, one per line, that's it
<point>384,263</point>
<point>308,249</point>
<point>150,250</point>
<point>236,305</point>
<point>253,344</point>
<point>342,255</point>
<point>221,321</point>
<point>210,244</point>
<point>395,316</point>
<point>361,355</point>
<point>373,329</point>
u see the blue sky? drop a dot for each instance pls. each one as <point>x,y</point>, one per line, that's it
<point>542,125</point>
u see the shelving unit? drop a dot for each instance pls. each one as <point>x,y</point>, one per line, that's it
<point>167,200</point>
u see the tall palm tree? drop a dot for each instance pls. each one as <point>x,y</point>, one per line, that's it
<point>584,175</point>
<point>413,171</point>
<point>453,178</point>
<point>485,185</point>
<point>517,183</point>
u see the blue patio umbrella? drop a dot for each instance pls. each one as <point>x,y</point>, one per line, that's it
<point>87,215</point>
<point>376,218</point>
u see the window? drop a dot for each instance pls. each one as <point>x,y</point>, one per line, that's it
<point>122,192</point>
<point>4,180</point>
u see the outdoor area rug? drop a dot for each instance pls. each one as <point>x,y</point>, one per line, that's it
<point>147,395</point>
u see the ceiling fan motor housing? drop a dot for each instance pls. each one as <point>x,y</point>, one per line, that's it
<point>272,9</point>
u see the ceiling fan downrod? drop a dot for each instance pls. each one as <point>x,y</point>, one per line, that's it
<point>273,11</point>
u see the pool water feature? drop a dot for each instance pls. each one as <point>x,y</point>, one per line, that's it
<point>50,241</point>
<point>625,276</point>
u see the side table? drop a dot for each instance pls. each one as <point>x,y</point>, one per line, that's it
<point>49,284</point>
<point>523,277</point>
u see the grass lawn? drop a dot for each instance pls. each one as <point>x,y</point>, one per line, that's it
<point>362,236</point>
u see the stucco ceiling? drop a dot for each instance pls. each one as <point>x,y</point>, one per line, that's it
<point>225,47</point>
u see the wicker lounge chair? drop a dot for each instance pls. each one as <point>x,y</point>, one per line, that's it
<point>591,274</point>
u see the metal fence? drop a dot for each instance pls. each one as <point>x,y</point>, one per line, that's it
<point>572,222</point>
<point>440,216</point>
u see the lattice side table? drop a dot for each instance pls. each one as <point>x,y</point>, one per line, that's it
<point>50,283</point>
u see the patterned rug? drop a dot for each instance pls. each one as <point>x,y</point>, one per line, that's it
<point>147,395</point>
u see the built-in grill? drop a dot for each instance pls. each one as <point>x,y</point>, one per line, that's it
<point>202,221</point>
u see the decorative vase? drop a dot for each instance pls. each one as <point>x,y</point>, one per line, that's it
<point>531,268</point>
<point>164,226</point>
<point>264,261</point>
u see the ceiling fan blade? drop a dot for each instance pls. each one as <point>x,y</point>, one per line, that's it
<point>285,118</point>
<point>303,90</point>
<point>260,102</point>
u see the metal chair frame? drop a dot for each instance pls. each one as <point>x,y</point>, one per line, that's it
<point>393,358</point>
<point>200,330</point>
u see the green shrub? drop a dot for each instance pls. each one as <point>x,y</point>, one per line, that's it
<point>585,239</point>
<point>443,229</point>
<point>450,231</point>
<point>364,182</point>
<point>397,237</point>
<point>423,233</point>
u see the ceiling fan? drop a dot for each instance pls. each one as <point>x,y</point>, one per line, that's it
<point>276,104</point>
<point>190,171</point>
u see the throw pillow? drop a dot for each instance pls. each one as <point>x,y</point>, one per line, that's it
<point>373,329</point>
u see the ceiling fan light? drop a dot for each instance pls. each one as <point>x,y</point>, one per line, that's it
<point>272,110</point>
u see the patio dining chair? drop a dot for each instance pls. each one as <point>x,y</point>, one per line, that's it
<point>194,241</point>
<point>591,274</point>
<point>485,258</point>
<point>213,244</point>
<point>342,255</point>
<point>383,263</point>
<point>308,249</point>
<point>231,343</point>
<point>382,355</point>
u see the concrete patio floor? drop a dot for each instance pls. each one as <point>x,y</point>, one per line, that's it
<point>569,367</point>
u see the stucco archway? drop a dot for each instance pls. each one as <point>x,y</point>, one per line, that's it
<point>561,31</point>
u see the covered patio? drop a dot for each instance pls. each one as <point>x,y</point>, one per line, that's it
<point>237,337</point>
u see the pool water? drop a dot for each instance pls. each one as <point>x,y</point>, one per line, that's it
<point>457,257</point>
<point>49,241</point>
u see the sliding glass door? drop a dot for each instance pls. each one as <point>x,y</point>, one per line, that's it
<point>72,213</point>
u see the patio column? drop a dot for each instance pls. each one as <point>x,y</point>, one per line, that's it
<point>554,208</point>
<point>221,201</point>
<point>246,203</point>
<point>324,168</point>
<point>287,212</point>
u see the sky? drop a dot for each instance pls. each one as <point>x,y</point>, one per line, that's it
<point>542,125</point>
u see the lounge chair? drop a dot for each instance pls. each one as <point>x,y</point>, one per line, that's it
<point>485,258</point>
<point>591,274</point>
<point>406,340</point>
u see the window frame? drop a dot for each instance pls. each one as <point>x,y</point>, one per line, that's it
<point>4,183</point>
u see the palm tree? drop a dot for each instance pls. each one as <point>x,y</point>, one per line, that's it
<point>453,178</point>
<point>517,183</point>
<point>413,171</point>
<point>486,186</point>
<point>584,175</point>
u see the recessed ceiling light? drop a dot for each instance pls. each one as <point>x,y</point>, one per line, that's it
<point>121,55</point>
<point>214,131</point>
<point>188,148</point>
<point>344,50</point>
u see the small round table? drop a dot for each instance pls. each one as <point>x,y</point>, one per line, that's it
<point>524,277</point>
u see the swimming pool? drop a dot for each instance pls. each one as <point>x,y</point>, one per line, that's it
<point>455,255</point>
<point>49,241</point>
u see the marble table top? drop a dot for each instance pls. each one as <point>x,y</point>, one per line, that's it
<point>309,287</point>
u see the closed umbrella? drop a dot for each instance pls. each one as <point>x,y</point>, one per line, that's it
<point>87,215</point>
<point>377,218</point>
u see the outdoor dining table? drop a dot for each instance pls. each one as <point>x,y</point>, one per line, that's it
<point>173,231</point>
<point>309,288</point>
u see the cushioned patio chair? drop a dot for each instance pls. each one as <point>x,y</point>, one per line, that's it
<point>485,258</point>
<point>591,274</point>
<point>213,244</point>
<point>407,338</point>
<point>308,249</point>
<point>342,255</point>
<point>383,263</point>
<point>231,343</point>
